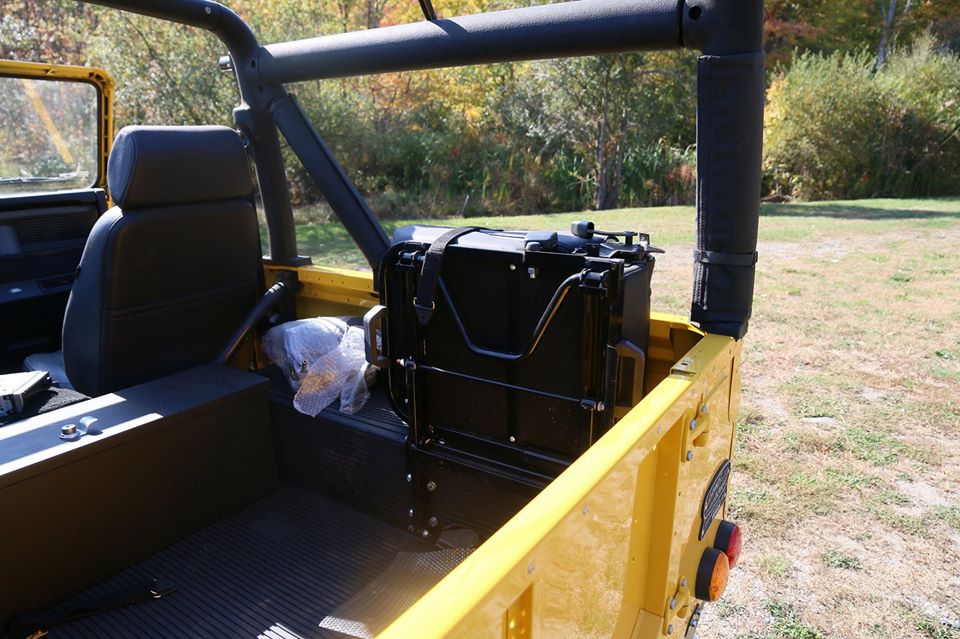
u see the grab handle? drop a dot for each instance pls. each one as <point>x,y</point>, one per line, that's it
<point>545,319</point>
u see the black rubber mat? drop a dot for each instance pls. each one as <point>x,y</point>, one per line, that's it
<point>408,578</point>
<point>275,569</point>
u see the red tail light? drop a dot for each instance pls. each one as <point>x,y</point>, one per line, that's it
<point>728,541</point>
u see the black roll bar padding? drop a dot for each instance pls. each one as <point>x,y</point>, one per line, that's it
<point>581,27</point>
<point>339,191</point>
<point>252,116</point>
<point>730,99</point>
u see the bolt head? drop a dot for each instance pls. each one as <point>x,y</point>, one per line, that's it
<point>425,534</point>
<point>673,604</point>
<point>531,567</point>
<point>704,409</point>
<point>670,629</point>
<point>207,10</point>
<point>513,440</point>
<point>431,486</point>
<point>693,424</point>
<point>410,513</point>
<point>409,477</point>
<point>68,429</point>
<point>689,455</point>
<point>432,522</point>
<point>683,582</point>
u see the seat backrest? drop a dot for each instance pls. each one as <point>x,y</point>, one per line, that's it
<point>170,272</point>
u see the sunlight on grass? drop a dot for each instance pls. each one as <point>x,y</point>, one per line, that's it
<point>328,243</point>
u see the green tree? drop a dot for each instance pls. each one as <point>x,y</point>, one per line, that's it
<point>603,107</point>
<point>45,31</point>
<point>838,128</point>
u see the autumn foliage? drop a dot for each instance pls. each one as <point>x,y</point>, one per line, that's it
<point>553,135</point>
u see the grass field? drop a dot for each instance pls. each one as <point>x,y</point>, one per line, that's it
<point>847,480</point>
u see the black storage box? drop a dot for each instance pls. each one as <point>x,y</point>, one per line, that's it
<point>529,347</point>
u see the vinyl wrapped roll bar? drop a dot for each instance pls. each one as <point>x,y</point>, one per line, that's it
<point>584,27</point>
<point>730,99</point>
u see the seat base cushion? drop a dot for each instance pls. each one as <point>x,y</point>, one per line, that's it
<point>52,363</point>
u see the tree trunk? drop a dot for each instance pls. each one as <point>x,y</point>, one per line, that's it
<point>888,11</point>
<point>601,160</point>
<point>374,13</point>
<point>600,153</point>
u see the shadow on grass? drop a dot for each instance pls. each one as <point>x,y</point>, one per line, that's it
<point>329,243</point>
<point>842,210</point>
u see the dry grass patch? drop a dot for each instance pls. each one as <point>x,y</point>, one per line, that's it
<point>847,468</point>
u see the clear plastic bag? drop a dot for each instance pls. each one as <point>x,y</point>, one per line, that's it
<point>294,346</point>
<point>323,359</point>
<point>356,386</point>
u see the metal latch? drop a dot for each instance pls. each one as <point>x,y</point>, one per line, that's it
<point>84,426</point>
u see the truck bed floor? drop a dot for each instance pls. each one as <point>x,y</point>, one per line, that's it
<point>274,569</point>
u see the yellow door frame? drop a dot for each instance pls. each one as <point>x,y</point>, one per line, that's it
<point>99,78</point>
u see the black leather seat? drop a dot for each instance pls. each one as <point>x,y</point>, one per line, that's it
<point>170,272</point>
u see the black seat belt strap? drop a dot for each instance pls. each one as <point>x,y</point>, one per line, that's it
<point>430,272</point>
<point>36,624</point>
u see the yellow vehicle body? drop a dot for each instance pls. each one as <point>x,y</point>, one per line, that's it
<point>612,546</point>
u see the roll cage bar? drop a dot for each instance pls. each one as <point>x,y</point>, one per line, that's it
<point>730,100</point>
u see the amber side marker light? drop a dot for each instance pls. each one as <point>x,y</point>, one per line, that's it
<point>712,575</point>
<point>728,541</point>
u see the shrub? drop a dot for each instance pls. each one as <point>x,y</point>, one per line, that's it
<point>836,128</point>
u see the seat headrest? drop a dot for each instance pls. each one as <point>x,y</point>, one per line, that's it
<point>168,165</point>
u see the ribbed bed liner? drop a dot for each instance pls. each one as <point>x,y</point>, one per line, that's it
<point>275,569</point>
